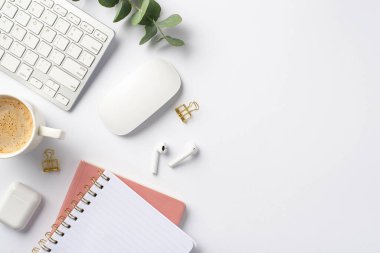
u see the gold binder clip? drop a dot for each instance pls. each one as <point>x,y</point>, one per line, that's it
<point>50,163</point>
<point>184,112</point>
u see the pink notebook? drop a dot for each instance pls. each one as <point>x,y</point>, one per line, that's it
<point>172,208</point>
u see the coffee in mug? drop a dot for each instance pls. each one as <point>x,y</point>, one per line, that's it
<point>16,125</point>
<point>22,127</point>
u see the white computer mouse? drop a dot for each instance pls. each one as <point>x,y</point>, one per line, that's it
<point>139,96</point>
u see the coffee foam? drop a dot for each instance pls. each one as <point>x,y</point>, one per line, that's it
<point>16,125</point>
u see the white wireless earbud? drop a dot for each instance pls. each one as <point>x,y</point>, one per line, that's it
<point>192,151</point>
<point>162,149</point>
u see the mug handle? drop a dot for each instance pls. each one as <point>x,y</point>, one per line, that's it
<point>51,132</point>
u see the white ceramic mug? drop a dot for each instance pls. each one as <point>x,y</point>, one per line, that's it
<point>39,130</point>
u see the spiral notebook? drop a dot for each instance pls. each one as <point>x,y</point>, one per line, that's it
<point>113,218</point>
<point>172,208</point>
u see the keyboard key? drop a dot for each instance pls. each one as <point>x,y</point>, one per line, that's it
<point>36,83</point>
<point>73,19</point>
<point>17,49</point>
<point>5,24</point>
<point>22,18</point>
<point>100,36</point>
<point>52,85</point>
<point>61,42</point>
<point>91,44</point>
<point>23,3</point>
<point>86,58</point>
<point>60,10</point>
<point>56,57</point>
<point>48,34</point>
<point>62,26</point>
<point>74,50</point>
<point>87,27</point>
<point>9,10</point>
<point>30,57</point>
<point>5,41</point>
<point>43,65</point>
<point>74,68</point>
<point>10,62</point>
<point>51,45</point>
<point>47,3</point>
<point>75,34</point>
<point>31,41</point>
<point>36,9</point>
<point>44,49</point>
<point>48,91</point>
<point>24,71</point>
<point>62,99</point>
<point>18,32</point>
<point>49,17</point>
<point>63,78</point>
<point>35,26</point>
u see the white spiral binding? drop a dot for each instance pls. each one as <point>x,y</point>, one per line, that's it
<point>48,236</point>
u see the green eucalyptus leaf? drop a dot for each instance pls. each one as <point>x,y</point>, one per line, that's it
<point>150,31</point>
<point>123,10</point>
<point>108,3</point>
<point>157,38</point>
<point>174,41</point>
<point>136,2</point>
<point>148,13</point>
<point>171,21</point>
<point>152,13</point>
<point>139,14</point>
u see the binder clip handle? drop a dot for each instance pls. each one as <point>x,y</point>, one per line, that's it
<point>49,154</point>
<point>184,112</point>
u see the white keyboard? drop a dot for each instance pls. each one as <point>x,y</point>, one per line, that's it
<point>50,46</point>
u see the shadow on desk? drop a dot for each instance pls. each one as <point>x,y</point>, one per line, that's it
<point>103,61</point>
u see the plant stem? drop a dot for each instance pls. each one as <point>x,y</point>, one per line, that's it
<point>134,5</point>
<point>154,22</point>
<point>159,29</point>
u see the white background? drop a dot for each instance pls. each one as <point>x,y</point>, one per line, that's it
<point>288,127</point>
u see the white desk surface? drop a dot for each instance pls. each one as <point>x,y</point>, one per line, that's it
<point>288,127</point>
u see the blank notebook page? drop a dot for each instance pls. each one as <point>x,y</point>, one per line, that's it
<point>118,220</point>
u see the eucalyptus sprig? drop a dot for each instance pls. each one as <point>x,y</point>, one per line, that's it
<point>146,13</point>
